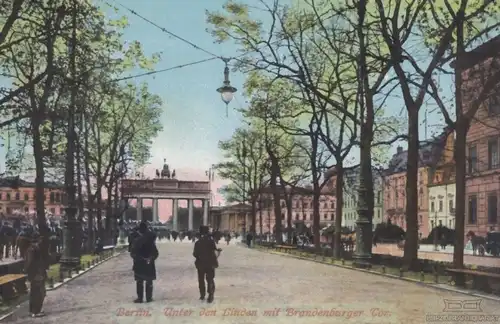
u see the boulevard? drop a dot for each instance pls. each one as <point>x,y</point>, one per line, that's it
<point>251,287</point>
<point>442,256</point>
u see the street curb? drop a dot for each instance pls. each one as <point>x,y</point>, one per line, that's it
<point>434,286</point>
<point>58,285</point>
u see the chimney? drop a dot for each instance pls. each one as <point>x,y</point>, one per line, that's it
<point>400,149</point>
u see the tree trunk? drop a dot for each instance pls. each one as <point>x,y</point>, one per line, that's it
<point>40,187</point>
<point>316,216</point>
<point>460,202</point>
<point>411,240</point>
<point>289,215</point>
<point>254,214</point>
<point>276,199</point>
<point>339,195</point>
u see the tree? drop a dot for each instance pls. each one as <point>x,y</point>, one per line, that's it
<point>398,27</point>
<point>95,60</point>
<point>475,81</point>
<point>245,167</point>
<point>299,49</point>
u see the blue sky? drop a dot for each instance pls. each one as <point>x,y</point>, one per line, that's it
<point>194,117</point>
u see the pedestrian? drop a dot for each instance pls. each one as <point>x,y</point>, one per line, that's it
<point>144,253</point>
<point>35,266</point>
<point>205,253</point>
<point>249,239</point>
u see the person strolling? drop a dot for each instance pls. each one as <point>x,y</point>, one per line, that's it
<point>206,262</point>
<point>144,254</point>
<point>35,266</point>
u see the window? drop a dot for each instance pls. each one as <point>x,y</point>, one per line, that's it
<point>432,223</point>
<point>325,205</point>
<point>26,209</point>
<point>379,194</point>
<point>26,197</point>
<point>332,217</point>
<point>432,206</point>
<point>493,154</point>
<point>494,105</point>
<point>440,206</point>
<point>297,205</point>
<point>333,205</point>
<point>1,196</point>
<point>53,211</point>
<point>450,205</point>
<point>472,159</point>
<point>325,216</point>
<point>440,223</point>
<point>8,210</point>
<point>421,219</point>
<point>52,198</point>
<point>8,196</point>
<point>18,196</point>
<point>472,209</point>
<point>492,208</point>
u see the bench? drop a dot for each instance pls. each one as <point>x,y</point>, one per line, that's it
<point>285,248</point>
<point>480,279</point>
<point>12,285</point>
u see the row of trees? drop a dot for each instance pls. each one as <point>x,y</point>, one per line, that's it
<point>63,60</point>
<point>324,79</point>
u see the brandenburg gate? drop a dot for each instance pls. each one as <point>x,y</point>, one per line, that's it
<point>166,187</point>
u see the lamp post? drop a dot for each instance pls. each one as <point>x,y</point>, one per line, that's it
<point>71,256</point>
<point>244,194</point>
<point>123,207</point>
<point>226,91</point>
<point>434,228</point>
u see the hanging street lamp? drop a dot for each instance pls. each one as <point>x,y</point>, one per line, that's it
<point>226,91</point>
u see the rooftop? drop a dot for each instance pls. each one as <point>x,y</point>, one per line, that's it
<point>10,182</point>
<point>429,154</point>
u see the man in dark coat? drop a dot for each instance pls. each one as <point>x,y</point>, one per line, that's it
<point>144,253</point>
<point>206,261</point>
<point>35,267</point>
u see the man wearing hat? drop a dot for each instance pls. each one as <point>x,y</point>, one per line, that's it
<point>206,262</point>
<point>35,267</point>
<point>144,253</point>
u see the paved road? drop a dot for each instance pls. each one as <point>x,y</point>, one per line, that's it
<point>247,280</point>
<point>392,249</point>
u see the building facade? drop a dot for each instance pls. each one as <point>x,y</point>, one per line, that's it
<point>301,208</point>
<point>442,188</point>
<point>234,218</point>
<point>430,154</point>
<point>483,141</point>
<point>21,197</point>
<point>350,195</point>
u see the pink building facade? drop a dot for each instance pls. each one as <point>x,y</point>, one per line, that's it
<point>483,141</point>
<point>22,198</point>
<point>301,211</point>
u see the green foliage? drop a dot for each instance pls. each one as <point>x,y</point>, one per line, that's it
<point>245,165</point>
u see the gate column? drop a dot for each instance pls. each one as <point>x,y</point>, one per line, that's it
<point>205,212</point>
<point>139,209</point>
<point>190,214</point>
<point>175,207</point>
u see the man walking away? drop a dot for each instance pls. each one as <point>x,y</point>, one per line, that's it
<point>249,239</point>
<point>144,253</point>
<point>35,267</point>
<point>206,262</point>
